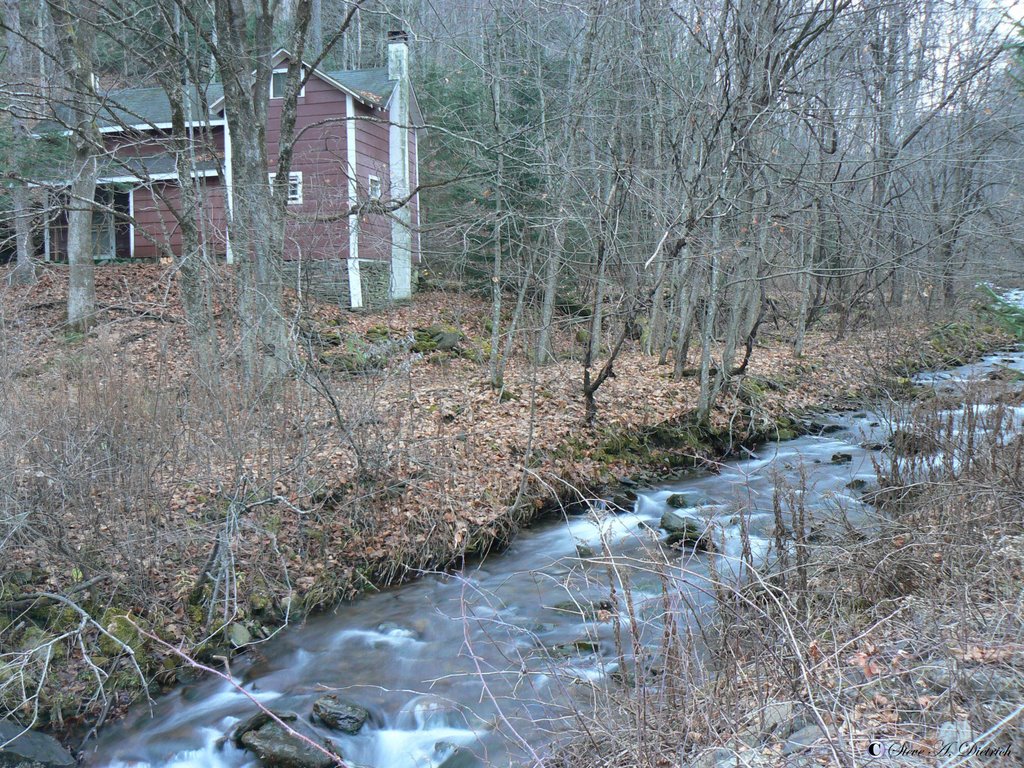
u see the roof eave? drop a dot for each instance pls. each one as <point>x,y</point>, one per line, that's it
<point>151,126</point>
<point>283,53</point>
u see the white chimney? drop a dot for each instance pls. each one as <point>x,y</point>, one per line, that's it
<point>398,55</point>
<point>398,116</point>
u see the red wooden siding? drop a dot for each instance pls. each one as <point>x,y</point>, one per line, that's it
<point>156,227</point>
<point>373,158</point>
<point>317,228</point>
<point>154,201</point>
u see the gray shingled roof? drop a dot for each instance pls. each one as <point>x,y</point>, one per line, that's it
<point>151,165</point>
<point>135,106</point>
<point>149,106</point>
<point>131,106</point>
<point>142,167</point>
<point>370,84</point>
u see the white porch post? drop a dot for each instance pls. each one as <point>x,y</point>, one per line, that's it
<point>47,198</point>
<point>228,190</point>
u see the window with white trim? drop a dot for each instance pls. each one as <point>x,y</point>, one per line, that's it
<point>294,186</point>
<point>279,83</point>
<point>374,187</point>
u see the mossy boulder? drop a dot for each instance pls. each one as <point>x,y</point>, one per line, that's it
<point>213,651</point>
<point>584,551</point>
<point>37,641</point>
<point>378,333</point>
<point>328,337</point>
<point>1005,373</point>
<point>583,647</point>
<point>348,361</point>
<point>686,529</point>
<point>456,756</point>
<point>669,445</point>
<point>673,521</point>
<point>750,390</point>
<point>120,626</point>
<point>624,501</point>
<point>677,501</point>
<point>437,338</point>
<point>237,634</point>
<point>573,305</point>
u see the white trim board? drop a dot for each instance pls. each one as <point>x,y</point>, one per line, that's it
<point>154,177</point>
<point>355,280</point>
<point>217,123</point>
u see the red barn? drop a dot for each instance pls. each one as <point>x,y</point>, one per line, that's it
<point>354,143</point>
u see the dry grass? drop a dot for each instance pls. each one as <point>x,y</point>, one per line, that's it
<point>909,634</point>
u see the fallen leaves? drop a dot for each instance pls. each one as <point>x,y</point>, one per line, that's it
<point>866,661</point>
<point>988,655</point>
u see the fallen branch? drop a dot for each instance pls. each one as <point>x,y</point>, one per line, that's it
<point>19,603</point>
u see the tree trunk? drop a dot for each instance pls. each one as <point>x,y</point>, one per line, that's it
<point>513,324</point>
<point>74,29</point>
<point>257,226</point>
<point>194,268</point>
<point>687,293</point>
<point>25,269</point>
<point>545,347</point>
<point>704,399</point>
<point>81,265</point>
<point>496,272</point>
<point>21,201</point>
<point>496,277</point>
<point>656,332</point>
<point>804,285</point>
<point>316,29</point>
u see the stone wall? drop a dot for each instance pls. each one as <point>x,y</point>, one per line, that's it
<point>327,279</point>
<point>376,277</point>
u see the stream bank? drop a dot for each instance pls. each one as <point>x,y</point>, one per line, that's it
<point>541,604</point>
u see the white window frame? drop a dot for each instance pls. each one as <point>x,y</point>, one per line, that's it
<point>293,176</point>
<point>284,70</point>
<point>369,187</point>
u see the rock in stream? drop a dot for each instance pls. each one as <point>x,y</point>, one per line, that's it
<point>339,714</point>
<point>276,747</point>
<point>31,749</point>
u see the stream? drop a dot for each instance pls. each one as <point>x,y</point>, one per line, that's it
<point>482,667</point>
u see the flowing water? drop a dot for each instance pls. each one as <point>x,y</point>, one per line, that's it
<point>451,665</point>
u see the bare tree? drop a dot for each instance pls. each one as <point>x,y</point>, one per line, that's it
<point>21,201</point>
<point>73,21</point>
